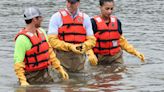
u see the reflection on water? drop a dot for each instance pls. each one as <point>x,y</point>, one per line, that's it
<point>32,89</point>
<point>142,23</point>
<point>106,82</point>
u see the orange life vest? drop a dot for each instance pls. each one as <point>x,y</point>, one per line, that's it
<point>72,30</point>
<point>107,37</point>
<point>37,57</point>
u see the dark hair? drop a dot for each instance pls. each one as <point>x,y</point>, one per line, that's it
<point>76,0</point>
<point>101,2</point>
<point>30,20</point>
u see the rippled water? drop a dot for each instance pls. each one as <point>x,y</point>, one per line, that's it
<point>142,22</point>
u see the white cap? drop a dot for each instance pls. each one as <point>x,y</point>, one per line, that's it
<point>31,12</point>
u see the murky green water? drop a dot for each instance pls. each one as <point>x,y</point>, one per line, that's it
<point>142,22</point>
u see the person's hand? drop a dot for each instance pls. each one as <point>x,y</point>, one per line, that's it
<point>84,48</point>
<point>88,44</point>
<point>24,84</point>
<point>93,59</point>
<point>141,56</point>
<point>76,48</point>
<point>63,73</point>
<point>130,49</point>
<point>19,70</point>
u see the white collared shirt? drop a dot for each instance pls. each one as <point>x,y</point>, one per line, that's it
<point>56,22</point>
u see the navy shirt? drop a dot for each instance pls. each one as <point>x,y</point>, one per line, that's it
<point>94,26</point>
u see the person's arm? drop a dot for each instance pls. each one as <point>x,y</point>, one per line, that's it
<point>91,40</point>
<point>94,26</point>
<point>22,44</point>
<point>119,26</point>
<point>128,47</point>
<point>56,63</point>
<point>54,60</point>
<point>92,57</point>
<point>54,24</point>
<point>88,25</point>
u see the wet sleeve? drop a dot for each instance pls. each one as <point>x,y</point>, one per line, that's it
<point>54,23</point>
<point>22,44</point>
<point>88,25</point>
<point>119,26</point>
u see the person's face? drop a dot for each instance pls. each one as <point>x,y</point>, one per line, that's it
<point>38,22</point>
<point>72,7</point>
<point>107,9</point>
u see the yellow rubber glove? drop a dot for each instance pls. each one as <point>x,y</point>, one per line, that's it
<point>19,70</point>
<point>89,43</point>
<point>74,48</point>
<point>92,57</point>
<point>53,59</point>
<point>61,45</point>
<point>56,63</point>
<point>130,49</point>
<point>140,56</point>
<point>63,73</point>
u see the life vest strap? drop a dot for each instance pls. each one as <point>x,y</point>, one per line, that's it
<point>37,63</point>
<point>102,31</point>
<point>72,24</point>
<point>107,48</point>
<point>34,55</point>
<point>39,43</point>
<point>72,33</point>
<point>105,40</point>
<point>73,42</point>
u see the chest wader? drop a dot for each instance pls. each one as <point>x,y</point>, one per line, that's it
<point>71,61</point>
<point>114,62</point>
<point>39,77</point>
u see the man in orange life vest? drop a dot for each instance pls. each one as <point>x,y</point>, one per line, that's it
<point>33,54</point>
<point>110,40</point>
<point>70,33</point>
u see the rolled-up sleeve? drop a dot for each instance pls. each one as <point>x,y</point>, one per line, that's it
<point>88,25</point>
<point>54,23</point>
